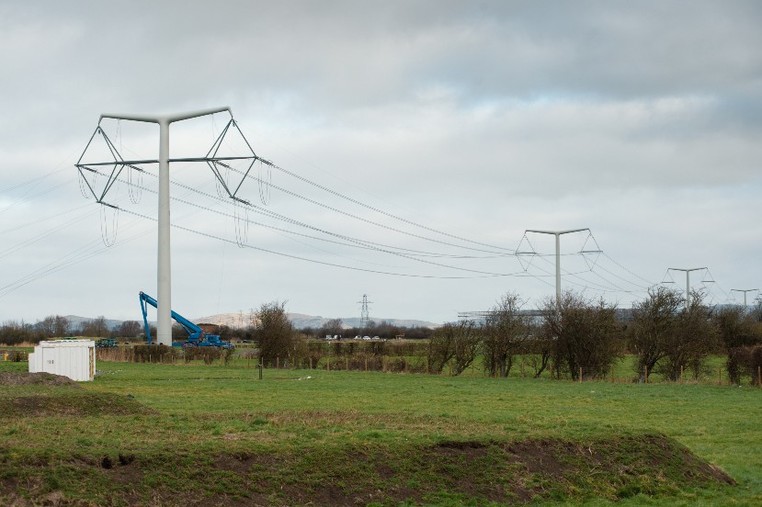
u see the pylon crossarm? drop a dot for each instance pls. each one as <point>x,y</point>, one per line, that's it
<point>213,166</point>
<point>115,172</point>
<point>89,142</point>
<point>89,187</point>
<point>104,203</point>
<point>132,163</point>
<point>245,174</point>
<point>164,119</point>
<point>114,152</point>
<point>242,201</point>
<point>212,153</point>
<point>235,124</point>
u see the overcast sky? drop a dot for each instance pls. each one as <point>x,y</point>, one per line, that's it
<point>441,130</point>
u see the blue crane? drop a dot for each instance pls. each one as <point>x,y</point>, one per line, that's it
<point>196,335</point>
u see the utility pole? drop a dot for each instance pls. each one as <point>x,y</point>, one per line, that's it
<point>745,291</point>
<point>687,282</point>
<point>558,235</point>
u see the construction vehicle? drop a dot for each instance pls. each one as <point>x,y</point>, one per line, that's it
<point>106,343</point>
<point>196,336</point>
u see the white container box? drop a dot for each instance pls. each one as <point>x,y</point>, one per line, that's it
<point>71,358</point>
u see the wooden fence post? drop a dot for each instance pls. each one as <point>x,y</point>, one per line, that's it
<point>580,374</point>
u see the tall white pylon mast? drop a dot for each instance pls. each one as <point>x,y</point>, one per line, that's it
<point>164,272</point>
<point>688,282</point>
<point>745,291</point>
<point>558,235</point>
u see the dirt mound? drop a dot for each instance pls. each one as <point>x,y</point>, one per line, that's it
<point>72,404</point>
<point>452,472</point>
<point>48,379</point>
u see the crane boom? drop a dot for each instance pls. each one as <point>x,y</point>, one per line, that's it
<point>196,335</point>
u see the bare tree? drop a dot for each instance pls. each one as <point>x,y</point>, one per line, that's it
<point>456,344</point>
<point>14,333</point>
<point>467,344</point>
<point>332,327</point>
<point>441,348</point>
<point>695,337</point>
<point>52,325</point>
<point>741,334</point>
<point>128,329</point>
<point>96,327</point>
<point>539,350</point>
<point>737,327</point>
<point>586,335</point>
<point>505,331</point>
<point>654,322</point>
<point>61,326</point>
<point>274,333</point>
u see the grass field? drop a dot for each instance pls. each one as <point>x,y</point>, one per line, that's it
<point>219,435</point>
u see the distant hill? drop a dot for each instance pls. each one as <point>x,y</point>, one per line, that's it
<point>302,321</point>
<point>240,320</point>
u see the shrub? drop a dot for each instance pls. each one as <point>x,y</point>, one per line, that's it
<point>586,335</point>
<point>155,354</point>
<point>505,331</point>
<point>206,354</point>
<point>694,337</point>
<point>274,334</point>
<point>744,361</point>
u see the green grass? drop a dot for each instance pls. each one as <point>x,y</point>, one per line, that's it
<point>186,416</point>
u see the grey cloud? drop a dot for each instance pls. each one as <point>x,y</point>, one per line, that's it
<point>483,117</point>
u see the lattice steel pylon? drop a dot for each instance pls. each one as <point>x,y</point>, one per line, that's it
<point>364,311</point>
<point>117,164</point>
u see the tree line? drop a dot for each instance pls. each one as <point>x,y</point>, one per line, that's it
<point>580,338</point>
<point>574,337</point>
<point>56,326</point>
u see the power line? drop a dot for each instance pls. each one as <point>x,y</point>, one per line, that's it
<point>324,263</point>
<point>380,211</point>
<point>350,242</point>
<point>354,242</point>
